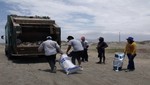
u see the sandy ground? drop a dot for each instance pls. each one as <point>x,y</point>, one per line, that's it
<point>35,71</point>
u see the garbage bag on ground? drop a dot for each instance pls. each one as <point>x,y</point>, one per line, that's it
<point>67,65</point>
<point>118,61</point>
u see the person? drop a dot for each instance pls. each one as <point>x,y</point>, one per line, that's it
<point>77,50</point>
<point>50,48</point>
<point>130,51</point>
<point>101,50</point>
<point>85,46</point>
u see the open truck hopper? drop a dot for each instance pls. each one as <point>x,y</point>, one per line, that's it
<point>23,34</point>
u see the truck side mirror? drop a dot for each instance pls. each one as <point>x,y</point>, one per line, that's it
<point>2,37</point>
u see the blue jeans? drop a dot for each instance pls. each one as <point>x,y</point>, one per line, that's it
<point>131,61</point>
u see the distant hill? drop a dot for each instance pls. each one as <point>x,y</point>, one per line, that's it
<point>144,42</point>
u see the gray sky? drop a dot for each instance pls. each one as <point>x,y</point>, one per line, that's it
<point>89,18</point>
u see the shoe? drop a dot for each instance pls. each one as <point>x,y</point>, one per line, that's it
<point>85,61</point>
<point>82,61</point>
<point>81,68</point>
<point>129,70</point>
<point>54,70</point>
<point>116,70</point>
<point>98,62</point>
<point>132,69</point>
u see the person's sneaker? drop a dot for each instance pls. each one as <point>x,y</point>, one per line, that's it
<point>98,63</point>
<point>128,70</point>
<point>86,61</point>
<point>82,61</point>
<point>132,69</point>
<point>81,68</point>
<point>54,70</point>
<point>103,62</point>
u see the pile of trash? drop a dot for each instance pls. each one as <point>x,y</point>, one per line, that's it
<point>26,44</point>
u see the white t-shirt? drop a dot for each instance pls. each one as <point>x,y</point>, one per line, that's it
<point>76,44</point>
<point>50,47</point>
<point>84,44</point>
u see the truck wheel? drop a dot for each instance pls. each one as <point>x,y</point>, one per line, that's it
<point>6,52</point>
<point>9,56</point>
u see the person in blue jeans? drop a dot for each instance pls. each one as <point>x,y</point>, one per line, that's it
<point>130,50</point>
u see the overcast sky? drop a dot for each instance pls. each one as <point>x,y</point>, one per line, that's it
<point>89,18</point>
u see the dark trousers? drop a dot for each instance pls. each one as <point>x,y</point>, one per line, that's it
<point>101,55</point>
<point>76,55</point>
<point>85,55</point>
<point>51,60</point>
<point>131,62</point>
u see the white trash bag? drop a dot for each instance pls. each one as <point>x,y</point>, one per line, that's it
<point>118,61</point>
<point>67,65</point>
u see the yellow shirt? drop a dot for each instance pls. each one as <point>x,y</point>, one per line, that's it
<point>130,48</point>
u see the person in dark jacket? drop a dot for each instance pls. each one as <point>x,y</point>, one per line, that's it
<point>101,50</point>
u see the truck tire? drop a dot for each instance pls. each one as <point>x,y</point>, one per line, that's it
<point>8,54</point>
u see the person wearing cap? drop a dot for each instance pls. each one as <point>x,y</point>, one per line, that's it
<point>85,45</point>
<point>77,51</point>
<point>101,50</point>
<point>130,51</point>
<point>51,48</point>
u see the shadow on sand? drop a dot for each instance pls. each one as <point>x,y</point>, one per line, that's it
<point>28,60</point>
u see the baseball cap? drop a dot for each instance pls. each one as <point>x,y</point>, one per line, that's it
<point>130,38</point>
<point>70,37</point>
<point>48,37</point>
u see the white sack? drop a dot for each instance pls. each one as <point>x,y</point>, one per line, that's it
<point>118,60</point>
<point>67,65</point>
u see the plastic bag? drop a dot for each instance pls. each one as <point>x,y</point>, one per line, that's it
<point>118,61</point>
<point>67,65</point>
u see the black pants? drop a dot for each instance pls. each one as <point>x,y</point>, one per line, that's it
<point>76,55</point>
<point>51,60</point>
<point>131,62</point>
<point>101,55</point>
<point>85,55</point>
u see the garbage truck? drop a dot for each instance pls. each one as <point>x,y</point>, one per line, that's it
<point>24,34</point>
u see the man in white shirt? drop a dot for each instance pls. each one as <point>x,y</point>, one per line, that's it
<point>85,45</point>
<point>77,51</point>
<point>50,48</point>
